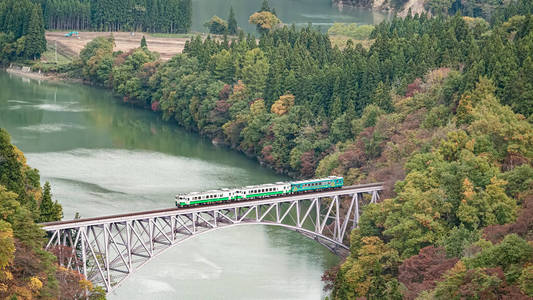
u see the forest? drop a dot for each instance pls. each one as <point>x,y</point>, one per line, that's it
<point>21,30</point>
<point>27,271</point>
<point>439,108</point>
<point>166,16</point>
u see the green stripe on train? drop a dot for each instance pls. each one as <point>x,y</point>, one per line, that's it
<point>265,194</point>
<point>207,200</point>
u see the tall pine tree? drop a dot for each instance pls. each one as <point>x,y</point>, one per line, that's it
<point>49,210</point>
<point>232,22</point>
<point>35,42</point>
<point>143,43</point>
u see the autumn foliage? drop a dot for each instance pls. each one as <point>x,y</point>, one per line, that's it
<point>422,272</point>
<point>283,104</point>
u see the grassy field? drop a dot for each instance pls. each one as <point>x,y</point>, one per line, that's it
<point>173,35</point>
<point>56,57</point>
<point>167,45</point>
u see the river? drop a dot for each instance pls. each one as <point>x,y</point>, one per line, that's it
<point>104,157</point>
<point>320,13</point>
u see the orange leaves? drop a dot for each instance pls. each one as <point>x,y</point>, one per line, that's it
<point>283,104</point>
<point>468,188</point>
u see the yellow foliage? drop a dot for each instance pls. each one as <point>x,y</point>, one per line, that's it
<point>283,104</point>
<point>258,107</point>
<point>22,293</point>
<point>5,275</point>
<point>7,246</point>
<point>86,284</point>
<point>20,156</point>
<point>468,188</point>
<point>470,145</point>
<point>3,287</point>
<point>264,19</point>
<point>35,284</point>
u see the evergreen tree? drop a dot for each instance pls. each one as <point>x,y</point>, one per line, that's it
<point>264,6</point>
<point>35,39</point>
<point>143,43</point>
<point>232,22</point>
<point>11,175</point>
<point>49,210</point>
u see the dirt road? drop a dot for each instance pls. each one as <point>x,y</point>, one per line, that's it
<point>124,41</point>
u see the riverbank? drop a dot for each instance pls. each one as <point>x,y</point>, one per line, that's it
<point>413,6</point>
<point>26,72</point>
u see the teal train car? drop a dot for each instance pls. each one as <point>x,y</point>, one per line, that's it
<point>317,184</point>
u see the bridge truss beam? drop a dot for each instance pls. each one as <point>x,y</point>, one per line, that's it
<point>109,249</point>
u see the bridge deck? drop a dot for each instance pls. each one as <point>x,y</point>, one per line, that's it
<point>51,226</point>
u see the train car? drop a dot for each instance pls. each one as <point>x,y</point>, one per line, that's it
<point>204,197</point>
<point>317,184</point>
<point>265,190</point>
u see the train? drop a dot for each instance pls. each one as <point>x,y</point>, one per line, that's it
<point>259,191</point>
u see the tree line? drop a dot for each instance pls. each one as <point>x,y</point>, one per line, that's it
<point>168,16</point>
<point>21,30</point>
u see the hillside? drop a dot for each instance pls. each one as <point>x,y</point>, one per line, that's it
<point>26,270</point>
<point>438,108</point>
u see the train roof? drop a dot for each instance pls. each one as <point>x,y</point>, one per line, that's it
<point>204,192</point>
<point>317,179</point>
<point>263,185</point>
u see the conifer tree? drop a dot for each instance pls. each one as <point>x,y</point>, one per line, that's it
<point>49,210</point>
<point>232,22</point>
<point>35,40</point>
<point>143,43</point>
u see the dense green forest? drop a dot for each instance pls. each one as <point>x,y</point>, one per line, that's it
<point>21,30</point>
<point>291,99</point>
<point>167,16</point>
<point>439,108</point>
<point>26,270</point>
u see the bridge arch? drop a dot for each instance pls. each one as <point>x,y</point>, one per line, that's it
<point>107,250</point>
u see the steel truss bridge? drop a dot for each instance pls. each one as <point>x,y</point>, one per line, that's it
<point>108,249</point>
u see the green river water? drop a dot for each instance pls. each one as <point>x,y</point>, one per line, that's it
<point>103,157</point>
<point>320,13</point>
